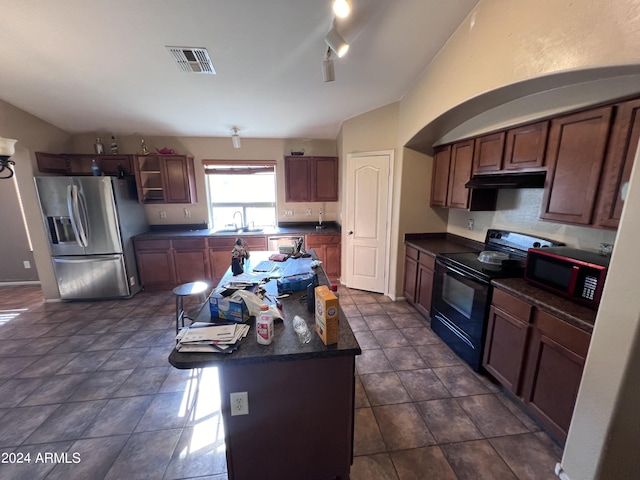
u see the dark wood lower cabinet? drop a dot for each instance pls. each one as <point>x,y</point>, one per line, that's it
<point>508,331</point>
<point>418,279</point>
<point>410,274</point>
<point>191,260</point>
<point>164,264</point>
<point>327,248</point>
<point>155,264</point>
<point>424,286</point>
<point>538,357</point>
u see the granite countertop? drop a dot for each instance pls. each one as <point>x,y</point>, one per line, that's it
<point>571,312</point>
<point>163,232</point>
<point>435,243</point>
<point>285,346</point>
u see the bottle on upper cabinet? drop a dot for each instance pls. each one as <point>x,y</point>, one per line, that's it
<point>98,146</point>
<point>114,145</point>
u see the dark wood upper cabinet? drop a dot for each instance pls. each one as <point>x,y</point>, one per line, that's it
<point>575,155</point>
<point>80,163</point>
<point>460,174</point>
<point>324,179</point>
<point>52,163</point>
<point>440,178</point>
<point>451,171</point>
<point>487,153</point>
<point>618,163</point>
<point>165,179</point>
<point>311,179</point>
<point>525,146</point>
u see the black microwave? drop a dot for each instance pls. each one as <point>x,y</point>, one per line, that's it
<point>575,274</point>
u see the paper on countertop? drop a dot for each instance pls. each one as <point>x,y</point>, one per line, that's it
<point>199,332</point>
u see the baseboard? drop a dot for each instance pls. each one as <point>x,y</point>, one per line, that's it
<point>11,284</point>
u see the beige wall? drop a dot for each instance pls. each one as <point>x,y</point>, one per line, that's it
<point>33,135</point>
<point>374,131</point>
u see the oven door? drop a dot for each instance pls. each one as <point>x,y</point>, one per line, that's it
<point>460,304</point>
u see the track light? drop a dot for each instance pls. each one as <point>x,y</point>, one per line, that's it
<point>328,73</point>
<point>235,138</point>
<point>342,8</point>
<point>336,42</point>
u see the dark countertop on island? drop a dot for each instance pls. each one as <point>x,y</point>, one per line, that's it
<point>163,232</point>
<point>571,312</point>
<point>285,345</point>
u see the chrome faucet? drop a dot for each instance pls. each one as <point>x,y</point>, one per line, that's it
<point>241,219</point>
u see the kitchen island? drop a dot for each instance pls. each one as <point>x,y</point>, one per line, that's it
<point>300,396</point>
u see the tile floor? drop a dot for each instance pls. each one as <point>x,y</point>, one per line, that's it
<point>86,392</point>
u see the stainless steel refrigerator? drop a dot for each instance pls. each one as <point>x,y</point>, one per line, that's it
<point>90,222</point>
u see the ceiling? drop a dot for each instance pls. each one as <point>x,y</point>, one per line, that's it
<point>102,66</point>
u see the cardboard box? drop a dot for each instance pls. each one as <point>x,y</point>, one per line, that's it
<point>327,315</point>
<point>227,308</point>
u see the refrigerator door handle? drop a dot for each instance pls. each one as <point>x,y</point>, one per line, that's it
<point>83,218</point>
<point>72,205</point>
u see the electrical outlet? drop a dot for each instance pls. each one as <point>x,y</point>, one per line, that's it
<point>187,213</point>
<point>239,403</point>
<point>162,214</point>
<point>470,224</point>
<point>309,212</point>
<point>288,213</point>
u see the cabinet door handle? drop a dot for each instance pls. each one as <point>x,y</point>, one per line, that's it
<point>350,232</point>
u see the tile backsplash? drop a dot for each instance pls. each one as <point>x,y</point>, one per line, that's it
<point>519,210</point>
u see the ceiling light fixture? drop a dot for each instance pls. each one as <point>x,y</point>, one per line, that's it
<point>342,8</point>
<point>336,42</point>
<point>328,73</point>
<point>235,138</point>
<point>7,149</point>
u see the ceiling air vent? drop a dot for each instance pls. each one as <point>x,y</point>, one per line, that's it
<point>192,60</point>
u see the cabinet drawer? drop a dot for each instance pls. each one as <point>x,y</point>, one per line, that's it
<point>315,240</point>
<point>153,244</point>
<point>565,334</point>
<point>411,252</point>
<point>226,243</point>
<point>513,305</point>
<point>427,260</point>
<point>189,243</point>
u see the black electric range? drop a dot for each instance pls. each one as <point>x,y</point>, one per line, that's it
<point>462,288</point>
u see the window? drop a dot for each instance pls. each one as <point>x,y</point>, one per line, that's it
<point>245,187</point>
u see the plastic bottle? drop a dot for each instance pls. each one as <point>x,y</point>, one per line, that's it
<point>94,167</point>
<point>114,145</point>
<point>98,146</point>
<point>334,289</point>
<point>300,326</point>
<point>264,326</point>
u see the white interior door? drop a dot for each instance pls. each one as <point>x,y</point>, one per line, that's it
<point>367,216</point>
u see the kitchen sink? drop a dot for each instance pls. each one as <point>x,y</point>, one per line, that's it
<point>240,230</point>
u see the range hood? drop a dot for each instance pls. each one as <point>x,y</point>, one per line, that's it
<point>508,180</point>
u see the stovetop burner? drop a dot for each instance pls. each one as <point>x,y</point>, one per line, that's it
<point>504,255</point>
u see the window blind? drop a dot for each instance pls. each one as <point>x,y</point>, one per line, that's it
<point>238,167</point>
